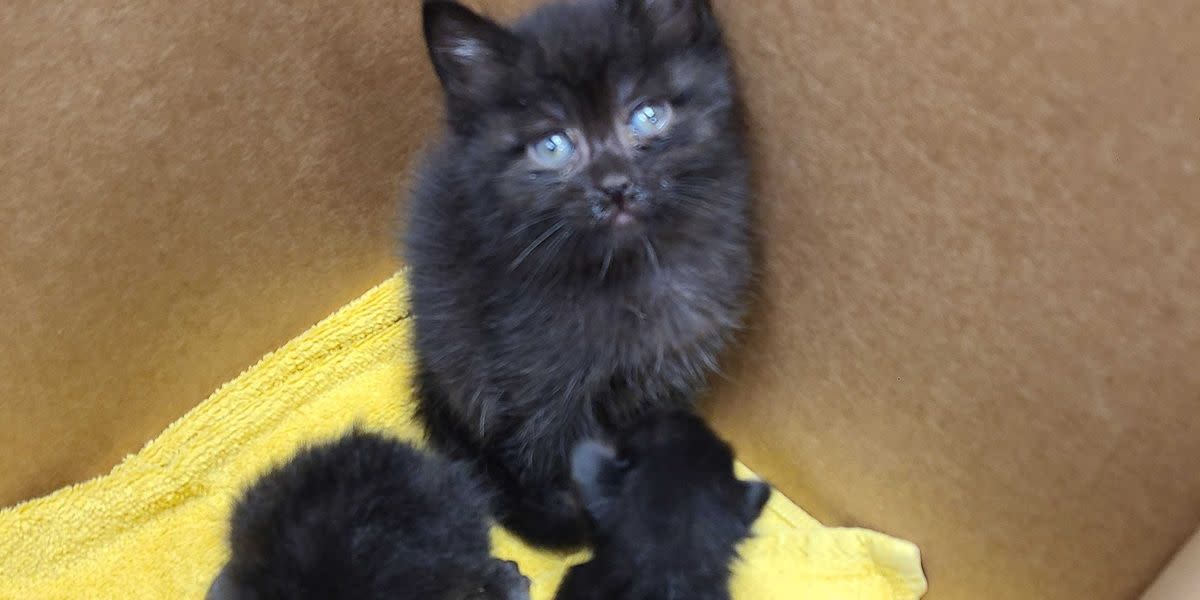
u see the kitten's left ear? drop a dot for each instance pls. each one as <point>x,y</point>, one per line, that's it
<point>471,54</point>
<point>754,498</point>
<point>674,21</point>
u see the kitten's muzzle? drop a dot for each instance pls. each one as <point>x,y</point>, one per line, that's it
<point>616,187</point>
<point>622,202</point>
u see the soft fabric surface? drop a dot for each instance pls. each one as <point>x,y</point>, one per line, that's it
<point>154,527</point>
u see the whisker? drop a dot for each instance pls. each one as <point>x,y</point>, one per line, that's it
<point>555,246</point>
<point>545,263</point>
<point>530,225</point>
<point>534,245</point>
<point>651,253</point>
<point>608,257</point>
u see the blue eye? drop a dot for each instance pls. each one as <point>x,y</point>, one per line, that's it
<point>651,119</point>
<point>553,151</point>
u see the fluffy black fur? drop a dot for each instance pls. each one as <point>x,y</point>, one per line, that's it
<point>556,304</point>
<point>365,518</point>
<point>668,511</point>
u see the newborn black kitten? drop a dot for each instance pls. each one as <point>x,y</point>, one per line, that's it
<point>365,518</point>
<point>668,512</point>
<point>579,241</point>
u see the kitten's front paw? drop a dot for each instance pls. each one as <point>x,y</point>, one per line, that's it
<point>565,502</point>
<point>549,516</point>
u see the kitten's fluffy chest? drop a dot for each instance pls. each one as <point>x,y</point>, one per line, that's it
<point>665,313</point>
<point>645,324</point>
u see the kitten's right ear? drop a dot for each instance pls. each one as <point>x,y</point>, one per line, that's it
<point>471,54</point>
<point>598,475</point>
<point>755,495</point>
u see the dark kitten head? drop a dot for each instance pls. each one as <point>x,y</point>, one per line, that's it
<point>665,493</point>
<point>364,517</point>
<point>591,131</point>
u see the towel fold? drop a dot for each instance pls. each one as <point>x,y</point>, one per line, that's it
<point>154,527</point>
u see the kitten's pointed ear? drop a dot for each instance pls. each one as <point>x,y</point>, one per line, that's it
<point>598,475</point>
<point>674,21</point>
<point>471,54</point>
<point>754,498</point>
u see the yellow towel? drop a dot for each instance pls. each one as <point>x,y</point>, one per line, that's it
<point>154,527</point>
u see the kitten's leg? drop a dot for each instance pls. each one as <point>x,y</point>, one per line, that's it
<point>443,428</point>
<point>541,509</point>
<point>544,513</point>
<point>538,505</point>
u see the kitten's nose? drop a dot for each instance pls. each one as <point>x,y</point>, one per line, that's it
<point>616,187</point>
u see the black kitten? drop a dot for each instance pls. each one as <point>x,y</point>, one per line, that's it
<point>579,242</point>
<point>668,511</point>
<point>365,518</point>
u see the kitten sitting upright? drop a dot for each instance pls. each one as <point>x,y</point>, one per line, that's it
<point>668,513</point>
<point>365,518</point>
<point>579,241</point>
